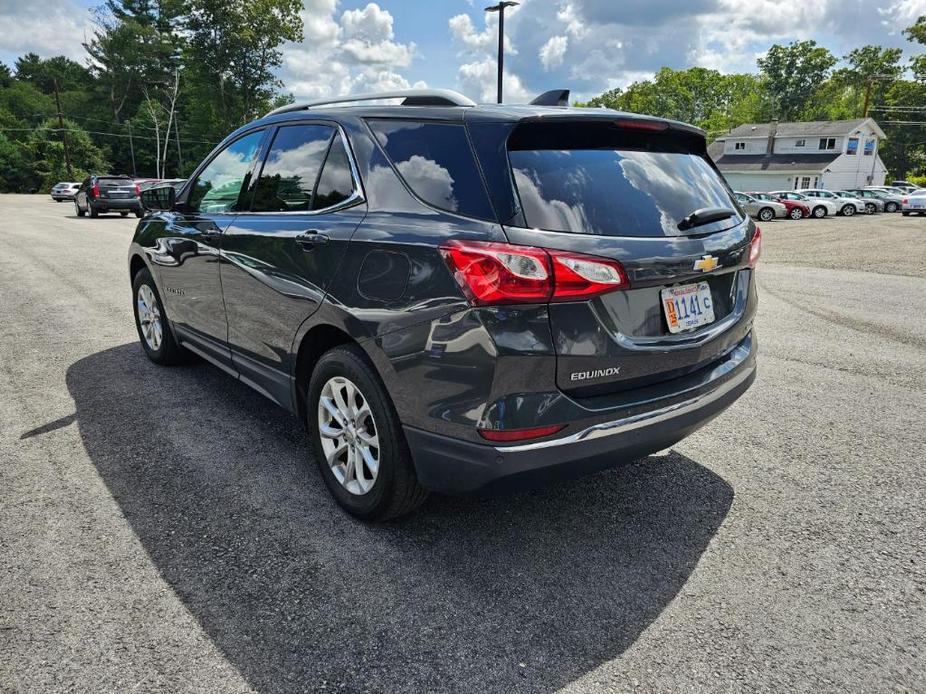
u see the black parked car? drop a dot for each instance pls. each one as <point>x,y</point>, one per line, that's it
<point>108,194</point>
<point>457,297</point>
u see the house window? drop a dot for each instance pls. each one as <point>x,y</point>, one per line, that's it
<point>739,145</point>
<point>805,182</point>
<point>815,181</point>
<point>800,143</point>
<point>869,147</point>
<point>852,146</point>
<point>827,143</point>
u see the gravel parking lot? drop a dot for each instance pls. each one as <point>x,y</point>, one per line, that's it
<point>160,529</point>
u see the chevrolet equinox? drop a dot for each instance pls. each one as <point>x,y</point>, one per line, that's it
<point>458,297</point>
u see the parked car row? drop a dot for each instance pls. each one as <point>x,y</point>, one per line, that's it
<point>109,193</point>
<point>818,203</point>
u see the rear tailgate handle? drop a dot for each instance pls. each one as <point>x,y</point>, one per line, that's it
<point>310,238</point>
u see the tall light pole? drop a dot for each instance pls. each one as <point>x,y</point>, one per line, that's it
<point>500,8</point>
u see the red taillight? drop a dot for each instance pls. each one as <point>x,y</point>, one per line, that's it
<point>501,273</point>
<point>137,189</point>
<point>95,190</point>
<point>635,124</point>
<point>905,201</point>
<point>580,276</point>
<point>509,435</point>
<point>755,248</point>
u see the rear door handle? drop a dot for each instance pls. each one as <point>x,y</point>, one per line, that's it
<point>311,238</point>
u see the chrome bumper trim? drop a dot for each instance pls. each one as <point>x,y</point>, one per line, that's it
<point>620,426</point>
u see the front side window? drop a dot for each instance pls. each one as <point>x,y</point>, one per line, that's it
<point>287,180</point>
<point>827,143</point>
<point>217,188</point>
<point>436,161</point>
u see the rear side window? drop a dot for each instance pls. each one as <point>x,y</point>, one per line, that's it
<point>436,162</point>
<point>594,179</point>
<point>336,184</point>
<point>287,181</point>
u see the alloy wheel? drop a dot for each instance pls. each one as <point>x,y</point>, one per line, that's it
<point>149,317</point>
<point>349,437</point>
<point>766,214</point>
<point>796,213</point>
<point>848,210</point>
<point>819,212</point>
<point>870,208</point>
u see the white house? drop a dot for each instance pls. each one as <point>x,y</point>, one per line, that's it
<point>785,156</point>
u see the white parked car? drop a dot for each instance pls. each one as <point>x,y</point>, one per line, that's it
<point>766,210</point>
<point>872,205</point>
<point>64,191</point>
<point>819,207</point>
<point>847,206</point>
<point>914,203</point>
<point>892,198</point>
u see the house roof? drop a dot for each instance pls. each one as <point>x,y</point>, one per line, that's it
<point>774,162</point>
<point>808,128</point>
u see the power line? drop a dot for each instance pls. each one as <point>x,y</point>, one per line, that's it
<point>98,132</point>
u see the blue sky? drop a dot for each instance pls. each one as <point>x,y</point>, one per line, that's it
<point>585,45</point>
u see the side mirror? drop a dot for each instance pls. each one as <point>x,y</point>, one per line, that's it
<point>159,198</point>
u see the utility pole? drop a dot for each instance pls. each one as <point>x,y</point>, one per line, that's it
<point>500,8</point>
<point>132,148</point>
<point>64,134</point>
<point>868,87</point>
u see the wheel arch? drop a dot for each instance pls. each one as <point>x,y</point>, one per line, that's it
<point>136,264</point>
<point>316,341</point>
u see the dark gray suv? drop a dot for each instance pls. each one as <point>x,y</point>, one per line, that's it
<point>458,297</point>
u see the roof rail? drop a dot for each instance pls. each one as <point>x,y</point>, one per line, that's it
<point>411,97</point>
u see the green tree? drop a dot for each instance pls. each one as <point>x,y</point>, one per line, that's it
<point>234,48</point>
<point>793,74</point>
<point>44,72</point>
<point>46,150</point>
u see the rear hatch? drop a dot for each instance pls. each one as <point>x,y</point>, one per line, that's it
<point>625,190</point>
<point>116,188</point>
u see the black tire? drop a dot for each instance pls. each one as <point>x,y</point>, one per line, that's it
<point>819,212</point>
<point>395,490</point>
<point>139,213</point>
<point>80,212</point>
<point>796,213</point>
<point>168,352</point>
<point>94,213</point>
<point>766,214</point>
<point>124,213</point>
<point>891,207</point>
<point>57,199</point>
<point>905,213</point>
<point>848,210</point>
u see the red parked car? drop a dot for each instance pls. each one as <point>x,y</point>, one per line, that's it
<point>796,210</point>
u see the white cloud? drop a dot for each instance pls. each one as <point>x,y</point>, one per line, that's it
<point>553,52</point>
<point>479,80</point>
<point>49,28</point>
<point>356,52</point>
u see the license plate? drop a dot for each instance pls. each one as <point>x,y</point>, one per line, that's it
<point>688,306</point>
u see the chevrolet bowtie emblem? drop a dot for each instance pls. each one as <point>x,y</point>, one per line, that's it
<point>706,263</point>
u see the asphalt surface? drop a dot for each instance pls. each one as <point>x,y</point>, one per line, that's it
<point>161,530</point>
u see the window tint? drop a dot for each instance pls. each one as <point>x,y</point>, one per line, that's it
<point>336,183</point>
<point>615,192</point>
<point>217,187</point>
<point>436,162</point>
<point>288,178</point>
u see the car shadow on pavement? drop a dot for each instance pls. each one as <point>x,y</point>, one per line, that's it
<point>518,593</point>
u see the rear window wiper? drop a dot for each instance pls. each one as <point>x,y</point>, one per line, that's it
<point>705,215</point>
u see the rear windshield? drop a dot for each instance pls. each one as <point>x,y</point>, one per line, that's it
<point>615,185</point>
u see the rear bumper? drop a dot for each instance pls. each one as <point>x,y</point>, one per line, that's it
<point>61,196</point>
<point>454,466</point>
<point>127,204</point>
